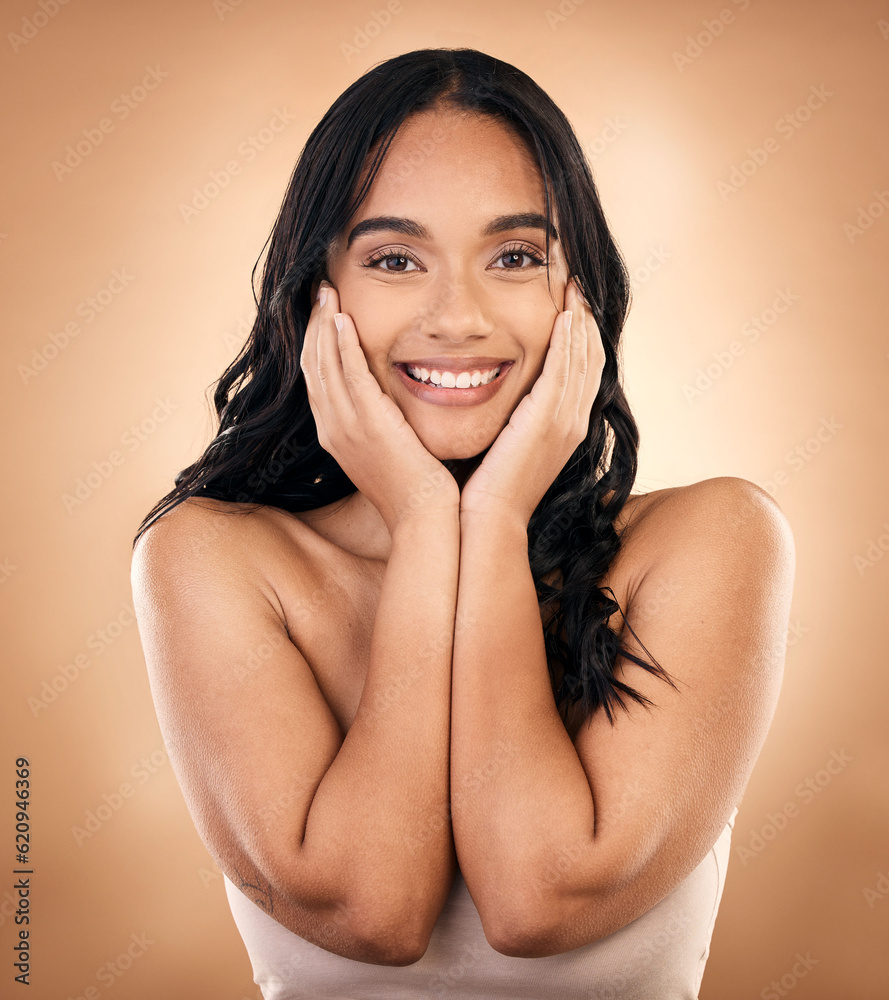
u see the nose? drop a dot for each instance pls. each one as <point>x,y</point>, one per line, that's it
<point>457,311</point>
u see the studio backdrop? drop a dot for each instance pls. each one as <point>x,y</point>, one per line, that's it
<point>740,149</point>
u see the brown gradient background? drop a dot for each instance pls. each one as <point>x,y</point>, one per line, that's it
<point>169,334</point>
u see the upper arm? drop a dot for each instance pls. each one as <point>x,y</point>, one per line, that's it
<point>248,731</point>
<point>712,608</point>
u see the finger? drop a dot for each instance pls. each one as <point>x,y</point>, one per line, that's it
<point>593,351</point>
<point>595,361</point>
<point>579,361</point>
<point>331,377</point>
<point>361,384</point>
<point>308,358</point>
<point>553,380</point>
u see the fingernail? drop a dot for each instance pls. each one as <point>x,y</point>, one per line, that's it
<point>338,319</point>
<point>322,294</point>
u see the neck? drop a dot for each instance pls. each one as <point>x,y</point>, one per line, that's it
<point>360,521</point>
<point>462,468</point>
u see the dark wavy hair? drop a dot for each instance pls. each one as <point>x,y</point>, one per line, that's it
<point>266,450</point>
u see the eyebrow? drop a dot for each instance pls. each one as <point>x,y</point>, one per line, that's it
<point>408,227</point>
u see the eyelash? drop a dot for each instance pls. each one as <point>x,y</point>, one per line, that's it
<point>522,248</point>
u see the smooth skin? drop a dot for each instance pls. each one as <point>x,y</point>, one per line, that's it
<point>454,750</point>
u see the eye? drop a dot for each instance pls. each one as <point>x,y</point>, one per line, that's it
<point>522,250</point>
<point>391,253</point>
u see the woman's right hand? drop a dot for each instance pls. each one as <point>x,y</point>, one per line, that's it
<point>362,428</point>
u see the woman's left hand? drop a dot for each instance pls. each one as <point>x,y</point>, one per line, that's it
<point>549,423</point>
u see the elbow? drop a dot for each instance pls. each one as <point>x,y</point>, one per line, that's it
<point>366,924</point>
<point>516,937</point>
<point>391,939</point>
<point>521,929</point>
<point>538,937</point>
<point>361,934</point>
<point>550,925</point>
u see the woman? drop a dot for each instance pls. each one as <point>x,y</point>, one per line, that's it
<point>408,715</point>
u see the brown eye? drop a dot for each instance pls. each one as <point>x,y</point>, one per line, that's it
<point>403,260</point>
<point>401,266</point>
<point>515,254</point>
<point>513,257</point>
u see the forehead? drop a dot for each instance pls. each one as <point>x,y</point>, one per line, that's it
<point>442,163</point>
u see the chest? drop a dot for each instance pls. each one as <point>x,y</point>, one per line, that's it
<point>330,607</point>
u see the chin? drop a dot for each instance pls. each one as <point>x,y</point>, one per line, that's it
<point>451,450</point>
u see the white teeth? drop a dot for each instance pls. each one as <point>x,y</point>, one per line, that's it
<point>450,380</point>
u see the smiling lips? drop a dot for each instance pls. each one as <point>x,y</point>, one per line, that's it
<point>450,373</point>
<point>454,381</point>
<point>450,380</point>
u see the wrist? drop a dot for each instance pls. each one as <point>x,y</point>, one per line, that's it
<point>425,520</point>
<point>502,522</point>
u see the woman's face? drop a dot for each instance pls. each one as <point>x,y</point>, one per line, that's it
<point>441,269</point>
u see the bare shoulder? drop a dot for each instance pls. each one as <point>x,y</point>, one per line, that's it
<point>725,517</point>
<point>204,542</point>
<point>196,525</point>
<point>205,526</point>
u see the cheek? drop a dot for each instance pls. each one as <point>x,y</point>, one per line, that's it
<point>371,319</point>
<point>538,323</point>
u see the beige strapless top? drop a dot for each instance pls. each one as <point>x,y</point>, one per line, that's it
<point>659,956</point>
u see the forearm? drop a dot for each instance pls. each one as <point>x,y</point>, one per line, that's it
<point>380,816</point>
<point>512,828</point>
